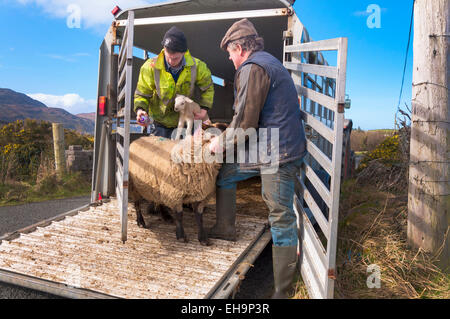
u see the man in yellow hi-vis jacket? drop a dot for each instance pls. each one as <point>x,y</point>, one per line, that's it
<point>174,71</point>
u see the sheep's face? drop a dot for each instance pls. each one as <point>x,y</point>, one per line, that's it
<point>180,103</point>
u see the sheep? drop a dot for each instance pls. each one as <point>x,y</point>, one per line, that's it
<point>186,107</point>
<point>156,177</point>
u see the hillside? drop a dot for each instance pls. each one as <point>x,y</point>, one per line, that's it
<point>89,116</point>
<point>18,106</point>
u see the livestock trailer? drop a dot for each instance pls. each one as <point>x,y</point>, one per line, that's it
<point>98,251</point>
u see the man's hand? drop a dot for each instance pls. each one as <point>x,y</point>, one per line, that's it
<point>140,114</point>
<point>215,145</point>
<point>201,115</point>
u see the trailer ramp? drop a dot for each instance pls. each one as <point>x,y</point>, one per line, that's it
<point>82,256</point>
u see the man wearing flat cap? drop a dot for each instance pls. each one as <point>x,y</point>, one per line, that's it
<point>174,71</point>
<point>265,99</point>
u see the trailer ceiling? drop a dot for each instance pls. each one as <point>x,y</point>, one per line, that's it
<point>204,37</point>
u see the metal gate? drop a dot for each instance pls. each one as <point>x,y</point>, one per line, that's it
<point>321,90</point>
<point>124,102</point>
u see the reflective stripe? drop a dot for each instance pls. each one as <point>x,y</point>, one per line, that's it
<point>193,78</point>
<point>137,92</point>
<point>168,101</point>
<point>157,77</point>
<point>206,87</point>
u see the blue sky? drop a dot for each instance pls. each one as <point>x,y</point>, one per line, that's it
<point>41,56</point>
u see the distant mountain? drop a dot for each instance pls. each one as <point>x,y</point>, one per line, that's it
<point>89,116</point>
<point>18,106</point>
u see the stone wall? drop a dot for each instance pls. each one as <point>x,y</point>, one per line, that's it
<point>79,160</point>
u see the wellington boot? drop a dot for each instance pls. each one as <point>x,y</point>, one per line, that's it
<point>284,265</point>
<point>225,227</point>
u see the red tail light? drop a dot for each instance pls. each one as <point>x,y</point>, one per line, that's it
<point>102,105</point>
<point>116,10</point>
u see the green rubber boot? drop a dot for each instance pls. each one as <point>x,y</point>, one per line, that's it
<point>225,227</point>
<point>284,265</point>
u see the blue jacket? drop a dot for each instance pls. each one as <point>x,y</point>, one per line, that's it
<point>281,110</point>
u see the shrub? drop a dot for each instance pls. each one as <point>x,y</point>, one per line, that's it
<point>27,146</point>
<point>387,153</point>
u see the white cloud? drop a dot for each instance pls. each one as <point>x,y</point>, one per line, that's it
<point>81,54</point>
<point>72,103</point>
<point>93,13</point>
<point>61,57</point>
<point>67,58</point>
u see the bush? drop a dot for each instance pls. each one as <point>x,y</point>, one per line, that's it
<point>48,184</point>
<point>387,153</point>
<point>26,149</point>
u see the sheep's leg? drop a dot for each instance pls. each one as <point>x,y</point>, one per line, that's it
<point>190,123</point>
<point>202,233</point>
<point>180,127</point>
<point>165,214</point>
<point>139,218</point>
<point>179,225</point>
<point>147,208</point>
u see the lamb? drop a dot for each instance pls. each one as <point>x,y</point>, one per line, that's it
<point>154,176</point>
<point>186,107</point>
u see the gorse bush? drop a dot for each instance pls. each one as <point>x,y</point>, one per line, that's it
<point>387,153</point>
<point>26,145</point>
<point>22,143</point>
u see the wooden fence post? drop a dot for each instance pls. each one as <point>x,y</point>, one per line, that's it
<point>428,193</point>
<point>58,144</point>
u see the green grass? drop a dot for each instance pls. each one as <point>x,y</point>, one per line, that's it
<point>50,187</point>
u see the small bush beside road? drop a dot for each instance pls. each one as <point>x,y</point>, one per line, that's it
<point>27,171</point>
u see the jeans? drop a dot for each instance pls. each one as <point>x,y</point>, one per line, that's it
<point>160,130</point>
<point>278,194</point>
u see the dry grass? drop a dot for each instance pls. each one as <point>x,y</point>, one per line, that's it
<point>368,140</point>
<point>48,185</point>
<point>372,230</point>
<point>376,234</point>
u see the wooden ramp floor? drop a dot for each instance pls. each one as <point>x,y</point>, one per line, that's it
<point>85,251</point>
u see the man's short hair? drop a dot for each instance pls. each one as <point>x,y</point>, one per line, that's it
<point>251,44</point>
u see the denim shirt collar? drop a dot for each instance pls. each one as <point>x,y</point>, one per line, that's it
<point>173,70</point>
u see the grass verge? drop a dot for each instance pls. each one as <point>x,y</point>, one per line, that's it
<point>372,231</point>
<point>49,187</point>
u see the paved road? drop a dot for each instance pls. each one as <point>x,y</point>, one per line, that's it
<point>257,285</point>
<point>16,217</point>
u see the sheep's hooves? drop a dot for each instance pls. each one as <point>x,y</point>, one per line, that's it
<point>140,225</point>
<point>205,242</point>
<point>183,239</point>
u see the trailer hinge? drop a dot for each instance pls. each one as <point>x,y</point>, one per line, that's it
<point>114,33</point>
<point>331,274</point>
<point>125,184</point>
<point>287,34</point>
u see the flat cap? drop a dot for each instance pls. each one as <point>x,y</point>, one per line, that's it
<point>240,29</point>
<point>175,40</point>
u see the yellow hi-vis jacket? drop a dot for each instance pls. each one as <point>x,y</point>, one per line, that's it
<point>156,89</point>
